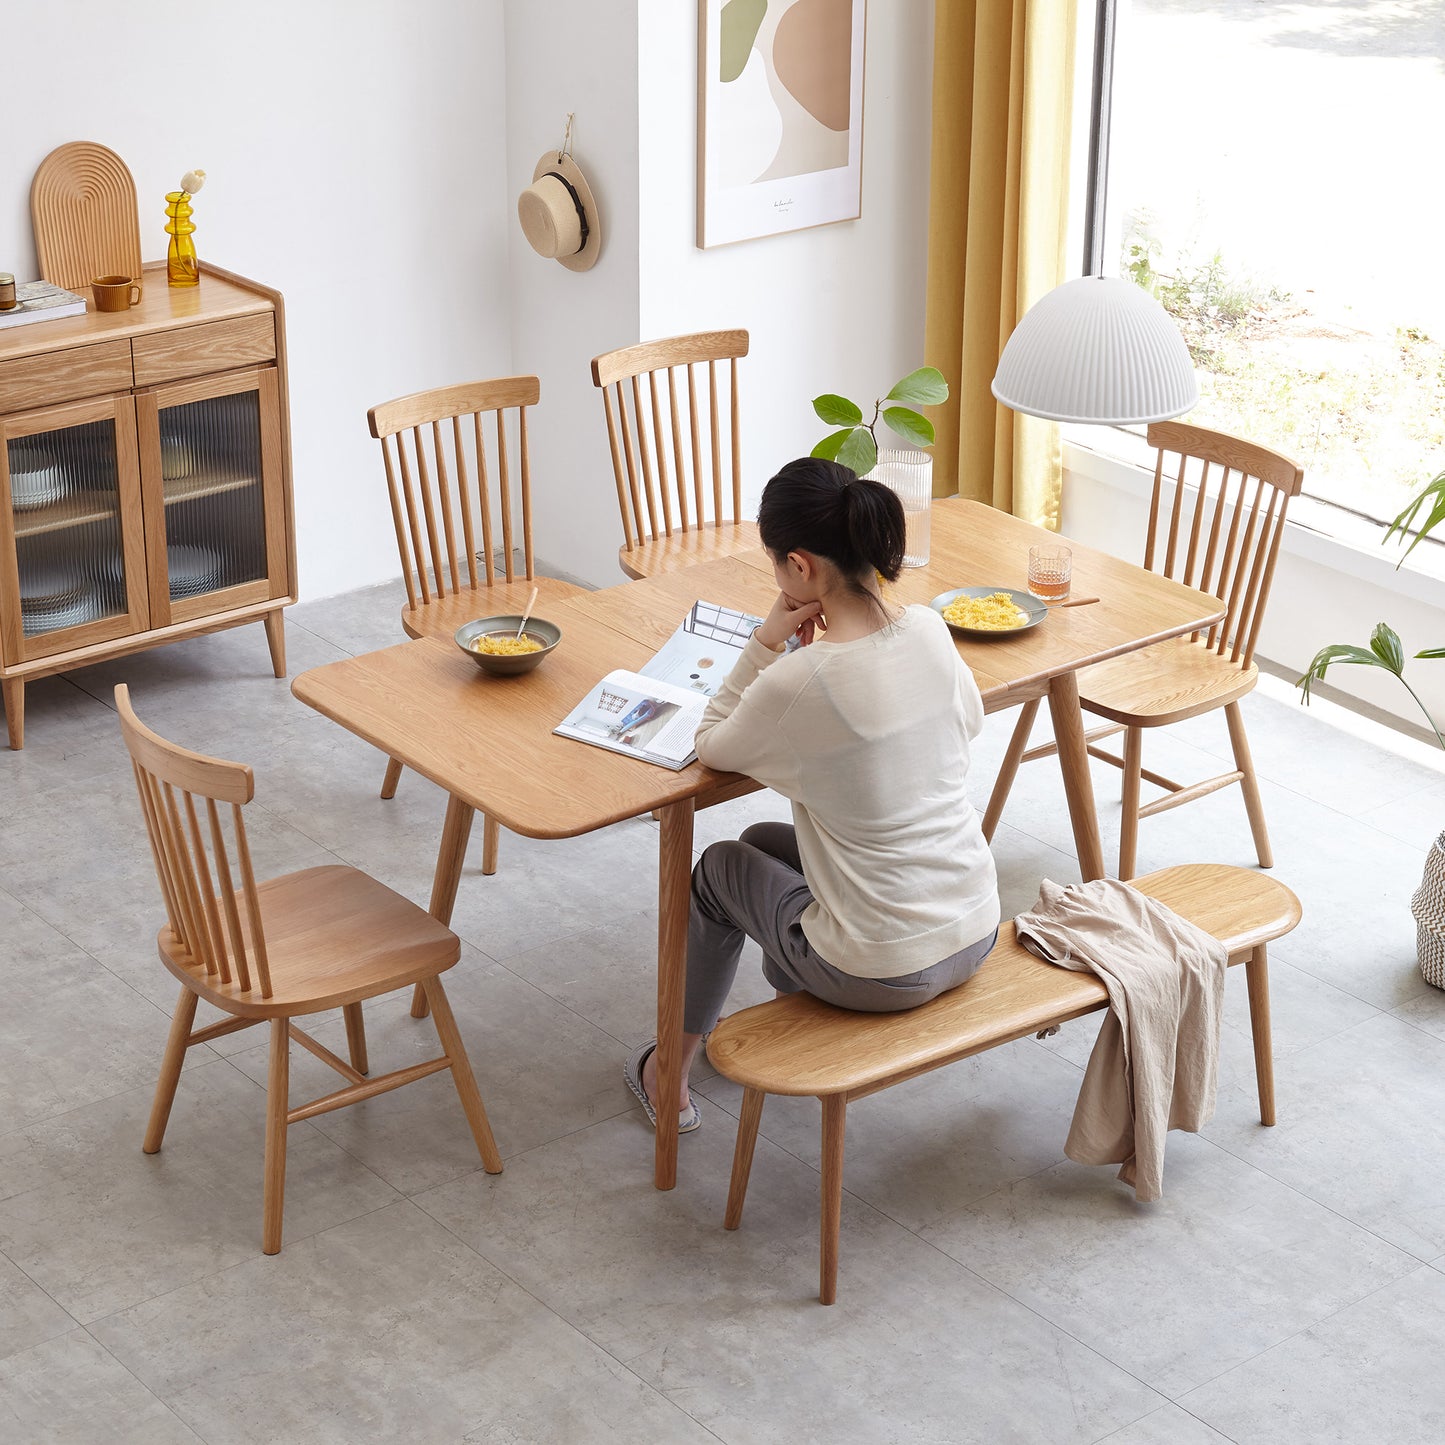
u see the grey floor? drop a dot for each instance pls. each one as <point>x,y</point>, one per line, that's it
<point>1289,1287</point>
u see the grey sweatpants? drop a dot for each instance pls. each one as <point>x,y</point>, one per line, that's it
<point>755,887</point>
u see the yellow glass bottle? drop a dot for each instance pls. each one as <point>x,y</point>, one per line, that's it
<point>182,267</point>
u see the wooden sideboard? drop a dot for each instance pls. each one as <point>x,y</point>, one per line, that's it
<point>145,479</point>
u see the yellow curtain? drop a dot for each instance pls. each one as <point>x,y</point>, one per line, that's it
<point>997,223</point>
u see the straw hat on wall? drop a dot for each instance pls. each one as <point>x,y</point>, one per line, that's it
<point>559,215</point>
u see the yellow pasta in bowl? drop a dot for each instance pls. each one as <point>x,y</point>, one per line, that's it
<point>989,611</point>
<point>501,644</point>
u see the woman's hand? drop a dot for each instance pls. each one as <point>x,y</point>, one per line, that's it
<point>788,619</point>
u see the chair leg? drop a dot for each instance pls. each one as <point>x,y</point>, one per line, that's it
<point>171,1064</point>
<point>392,778</point>
<point>355,1036</point>
<point>1256,970</point>
<point>835,1113</point>
<point>1017,746</point>
<point>278,1086</point>
<point>1129,822</point>
<point>753,1100</point>
<point>462,1076</point>
<point>491,841</point>
<point>1249,783</point>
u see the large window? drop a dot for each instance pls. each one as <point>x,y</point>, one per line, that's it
<point>1273,178</point>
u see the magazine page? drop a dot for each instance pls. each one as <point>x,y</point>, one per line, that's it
<point>643,717</point>
<point>701,653</point>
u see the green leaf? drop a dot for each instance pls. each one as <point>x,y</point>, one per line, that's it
<point>924,387</point>
<point>1343,652</point>
<point>859,452</point>
<point>909,425</point>
<point>1434,493</point>
<point>1432,652</point>
<point>1385,644</point>
<point>837,410</point>
<point>828,448</point>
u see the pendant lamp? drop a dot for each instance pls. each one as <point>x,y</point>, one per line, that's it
<point>1097,349</point>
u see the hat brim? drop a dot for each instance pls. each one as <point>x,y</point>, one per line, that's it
<point>566,167</point>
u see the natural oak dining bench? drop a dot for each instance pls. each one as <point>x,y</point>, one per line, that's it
<point>799,1045</point>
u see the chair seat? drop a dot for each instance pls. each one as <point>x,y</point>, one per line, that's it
<point>1163,684</point>
<point>682,549</point>
<point>443,615</point>
<point>334,936</point>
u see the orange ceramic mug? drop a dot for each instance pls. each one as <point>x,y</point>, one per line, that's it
<point>115,293</point>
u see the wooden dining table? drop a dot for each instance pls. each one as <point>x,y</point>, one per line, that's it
<point>489,741</point>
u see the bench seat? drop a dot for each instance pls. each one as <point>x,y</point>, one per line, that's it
<point>800,1045</point>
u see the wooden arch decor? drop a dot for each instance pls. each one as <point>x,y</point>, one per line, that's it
<point>83,207</point>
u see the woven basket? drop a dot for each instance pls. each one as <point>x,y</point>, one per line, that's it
<point>1428,907</point>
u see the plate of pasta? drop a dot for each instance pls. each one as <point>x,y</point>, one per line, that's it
<point>989,611</point>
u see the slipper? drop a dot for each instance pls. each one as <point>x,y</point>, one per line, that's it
<point>688,1119</point>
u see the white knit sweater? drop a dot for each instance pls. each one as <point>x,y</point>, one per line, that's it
<point>870,741</point>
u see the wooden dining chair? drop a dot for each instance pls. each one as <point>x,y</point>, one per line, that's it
<point>678,468</point>
<point>1216,518</point>
<point>274,951</point>
<point>449,454</point>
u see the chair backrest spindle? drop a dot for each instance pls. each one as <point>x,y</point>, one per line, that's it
<point>1246,513</point>
<point>670,478</point>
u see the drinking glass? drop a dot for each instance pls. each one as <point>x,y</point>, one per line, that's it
<point>909,473</point>
<point>1051,566</point>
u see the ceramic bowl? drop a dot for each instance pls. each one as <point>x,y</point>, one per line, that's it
<point>547,633</point>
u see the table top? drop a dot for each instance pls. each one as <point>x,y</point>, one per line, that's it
<point>489,740</point>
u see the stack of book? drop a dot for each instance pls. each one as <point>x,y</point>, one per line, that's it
<point>42,301</point>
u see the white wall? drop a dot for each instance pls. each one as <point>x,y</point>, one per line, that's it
<point>838,308</point>
<point>355,158</point>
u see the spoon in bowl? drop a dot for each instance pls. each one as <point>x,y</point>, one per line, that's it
<point>527,611</point>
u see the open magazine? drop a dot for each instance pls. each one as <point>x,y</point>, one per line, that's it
<point>653,714</point>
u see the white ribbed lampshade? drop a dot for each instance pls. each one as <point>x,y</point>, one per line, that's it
<point>1097,349</point>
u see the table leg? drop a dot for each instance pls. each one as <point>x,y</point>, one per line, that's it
<point>1068,719</point>
<point>674,898</point>
<point>445,880</point>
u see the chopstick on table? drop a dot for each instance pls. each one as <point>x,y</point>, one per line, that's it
<point>1078,602</point>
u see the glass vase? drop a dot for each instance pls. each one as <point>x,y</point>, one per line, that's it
<point>182,267</point>
<point>910,474</point>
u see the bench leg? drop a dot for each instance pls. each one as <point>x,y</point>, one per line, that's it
<point>1257,973</point>
<point>752,1114</point>
<point>835,1111</point>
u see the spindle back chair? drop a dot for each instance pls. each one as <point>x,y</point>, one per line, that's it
<point>676,464</point>
<point>1216,521</point>
<point>272,951</point>
<point>459,480</point>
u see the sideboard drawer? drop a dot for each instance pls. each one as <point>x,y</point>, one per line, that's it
<point>197,350</point>
<point>68,375</point>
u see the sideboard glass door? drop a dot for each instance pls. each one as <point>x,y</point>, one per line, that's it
<point>76,572</point>
<point>211,448</point>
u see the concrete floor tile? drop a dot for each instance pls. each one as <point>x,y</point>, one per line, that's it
<point>1074,1245</point>
<point>384,1329</point>
<point>719,1321</point>
<point>28,1316</point>
<point>99,1225</point>
<point>1371,1372</point>
<point>1425,1012</point>
<point>1167,1426</point>
<point>1360,1130</point>
<point>72,1389</point>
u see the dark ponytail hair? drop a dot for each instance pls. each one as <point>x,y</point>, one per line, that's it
<point>821,507</point>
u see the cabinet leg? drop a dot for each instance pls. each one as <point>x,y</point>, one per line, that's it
<point>276,641</point>
<point>13,689</point>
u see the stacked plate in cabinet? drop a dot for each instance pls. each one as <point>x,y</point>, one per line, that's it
<point>193,569</point>
<point>54,597</point>
<point>36,477</point>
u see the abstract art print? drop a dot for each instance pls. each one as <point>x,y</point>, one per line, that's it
<point>780,116</point>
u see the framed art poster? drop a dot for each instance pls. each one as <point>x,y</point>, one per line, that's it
<point>780,116</point>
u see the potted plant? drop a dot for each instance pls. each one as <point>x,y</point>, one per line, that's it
<point>909,473</point>
<point>1385,651</point>
<point>855,443</point>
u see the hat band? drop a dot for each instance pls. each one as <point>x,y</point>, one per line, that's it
<point>577,202</point>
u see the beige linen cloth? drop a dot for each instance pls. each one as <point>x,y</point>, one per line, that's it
<point>1154,1066</point>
